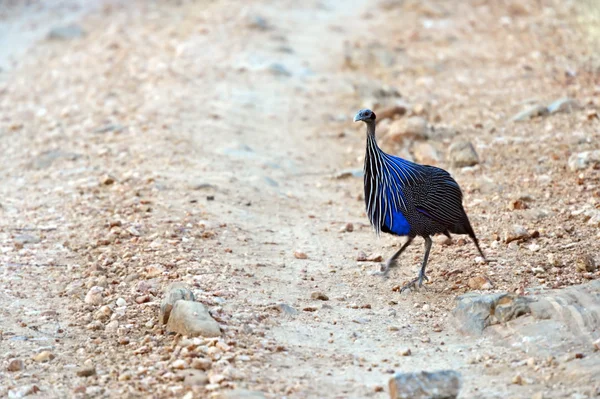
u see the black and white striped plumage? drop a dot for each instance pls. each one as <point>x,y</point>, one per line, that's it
<point>408,199</point>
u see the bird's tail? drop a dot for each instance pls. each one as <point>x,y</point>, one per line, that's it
<point>465,228</point>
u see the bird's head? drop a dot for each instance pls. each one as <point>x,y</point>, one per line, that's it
<point>365,115</point>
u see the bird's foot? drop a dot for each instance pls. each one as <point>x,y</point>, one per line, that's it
<point>412,284</point>
<point>384,269</point>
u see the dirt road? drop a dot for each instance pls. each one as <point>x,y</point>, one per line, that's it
<point>212,144</point>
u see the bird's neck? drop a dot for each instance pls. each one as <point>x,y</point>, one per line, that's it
<point>373,151</point>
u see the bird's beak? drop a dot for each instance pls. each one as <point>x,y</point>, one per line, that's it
<point>356,118</point>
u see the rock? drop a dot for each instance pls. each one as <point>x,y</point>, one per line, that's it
<point>94,296</point>
<point>103,313</point>
<point>192,319</point>
<point>348,228</point>
<point>319,296</point>
<point>23,239</point>
<point>529,113</point>
<point>584,159</point>
<point>538,395</point>
<point>517,380</point>
<point>462,153</point>
<point>201,364</point>
<point>424,385</point>
<point>15,365</point>
<point>586,263</point>
<point>425,153</point>
<point>516,204</point>
<point>474,312</point>
<point>86,371</point>
<point>278,69</point>
<point>300,255</point>
<point>597,345</point>
<point>23,391</point>
<point>67,32</point>
<point>480,283</point>
<point>173,293</point>
<point>285,308</point>
<point>194,377</point>
<point>121,302</point>
<point>43,357</point>
<point>566,105</point>
<point>153,270</point>
<point>241,394</point>
<point>258,22</point>
<point>405,352</point>
<point>179,364</point>
<point>517,232</point>
<point>107,180</point>
<point>413,128</point>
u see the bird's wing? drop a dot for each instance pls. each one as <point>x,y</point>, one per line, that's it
<point>440,198</point>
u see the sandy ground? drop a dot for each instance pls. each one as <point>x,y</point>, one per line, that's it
<point>206,143</point>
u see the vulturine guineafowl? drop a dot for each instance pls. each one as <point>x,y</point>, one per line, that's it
<point>407,199</point>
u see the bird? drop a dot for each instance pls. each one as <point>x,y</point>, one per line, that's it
<point>404,198</point>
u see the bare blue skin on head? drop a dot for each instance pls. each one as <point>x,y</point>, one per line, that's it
<point>408,199</point>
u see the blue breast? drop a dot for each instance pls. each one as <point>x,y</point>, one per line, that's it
<point>397,225</point>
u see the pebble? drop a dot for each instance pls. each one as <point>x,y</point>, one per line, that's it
<point>173,293</point>
<point>538,395</point>
<point>462,154</point>
<point>517,380</point>
<point>566,105</point>
<point>425,153</point>
<point>179,364</point>
<point>192,319</point>
<point>531,112</point>
<point>300,255</point>
<point>103,313</point>
<point>405,352</point>
<point>585,263</point>
<point>425,385</point>
<point>121,302</point>
<point>15,365</point>
<point>319,296</point>
<point>44,356</point>
<point>516,233</point>
<point>348,228</point>
<point>479,283</point>
<point>86,371</point>
<point>23,391</point>
<point>94,296</point>
<point>201,364</point>
<point>584,159</point>
<point>597,345</point>
<point>67,32</point>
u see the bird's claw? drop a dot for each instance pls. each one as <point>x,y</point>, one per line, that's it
<point>412,284</point>
<point>384,269</point>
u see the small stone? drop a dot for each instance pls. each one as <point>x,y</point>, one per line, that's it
<point>300,255</point>
<point>192,319</point>
<point>538,270</point>
<point>103,313</point>
<point>67,32</point>
<point>310,309</point>
<point>173,293</point>
<point>194,378</point>
<point>517,380</point>
<point>94,296</point>
<point>15,365</point>
<point>278,69</point>
<point>23,391</point>
<point>597,345</point>
<point>107,180</point>
<point>179,364</point>
<point>319,296</point>
<point>538,395</point>
<point>201,364</point>
<point>582,160</point>
<point>287,309</point>
<point>23,239</point>
<point>532,112</point>
<point>516,204</point>
<point>123,340</point>
<point>425,385</point>
<point>586,264</point>
<point>348,228</point>
<point>479,283</point>
<point>566,105</point>
<point>426,308</point>
<point>462,153</point>
<point>425,153</point>
<point>516,233</point>
<point>43,357</point>
<point>142,299</point>
<point>86,371</point>
<point>154,270</point>
<point>121,302</point>
<point>405,352</point>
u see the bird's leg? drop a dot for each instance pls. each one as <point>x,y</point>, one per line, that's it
<point>391,262</point>
<point>422,276</point>
<point>478,248</point>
